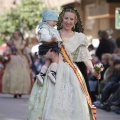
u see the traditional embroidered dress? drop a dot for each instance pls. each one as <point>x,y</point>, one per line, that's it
<point>16,78</point>
<point>68,98</point>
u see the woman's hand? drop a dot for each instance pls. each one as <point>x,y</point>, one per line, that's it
<point>91,68</point>
<point>97,75</point>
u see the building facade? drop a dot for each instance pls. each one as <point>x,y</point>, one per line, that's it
<point>95,14</point>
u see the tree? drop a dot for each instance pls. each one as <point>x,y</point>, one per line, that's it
<point>26,16</point>
<point>30,13</point>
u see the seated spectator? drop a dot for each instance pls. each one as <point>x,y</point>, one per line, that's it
<point>105,61</point>
<point>93,82</point>
<point>109,85</point>
<point>110,69</point>
<point>113,102</point>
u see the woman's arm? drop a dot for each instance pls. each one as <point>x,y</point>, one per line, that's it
<point>90,67</point>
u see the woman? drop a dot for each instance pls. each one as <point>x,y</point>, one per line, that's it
<point>105,45</point>
<point>16,78</point>
<point>68,99</point>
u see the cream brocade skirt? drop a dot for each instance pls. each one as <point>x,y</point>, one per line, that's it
<point>63,101</point>
<point>16,78</point>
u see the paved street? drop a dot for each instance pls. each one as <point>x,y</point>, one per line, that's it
<point>16,109</point>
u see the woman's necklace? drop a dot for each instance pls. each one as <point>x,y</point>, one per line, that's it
<point>67,34</point>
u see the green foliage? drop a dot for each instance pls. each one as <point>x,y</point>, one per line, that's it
<point>1,40</point>
<point>27,15</point>
<point>30,16</point>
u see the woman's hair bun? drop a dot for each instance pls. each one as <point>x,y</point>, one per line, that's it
<point>68,7</point>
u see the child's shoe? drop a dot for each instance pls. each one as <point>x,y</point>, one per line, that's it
<point>52,76</point>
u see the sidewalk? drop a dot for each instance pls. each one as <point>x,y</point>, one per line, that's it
<point>16,109</point>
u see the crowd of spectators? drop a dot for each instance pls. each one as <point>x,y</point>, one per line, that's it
<point>105,93</point>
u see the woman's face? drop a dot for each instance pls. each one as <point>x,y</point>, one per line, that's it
<point>103,60</point>
<point>69,20</point>
<point>117,66</point>
<point>94,59</point>
<point>16,35</point>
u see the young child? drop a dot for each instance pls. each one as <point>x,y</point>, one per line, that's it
<point>47,35</point>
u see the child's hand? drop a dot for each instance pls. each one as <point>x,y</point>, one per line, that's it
<point>54,39</point>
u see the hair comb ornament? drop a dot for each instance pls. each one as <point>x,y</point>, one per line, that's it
<point>69,7</point>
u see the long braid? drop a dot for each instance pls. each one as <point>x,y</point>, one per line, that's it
<point>78,26</point>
